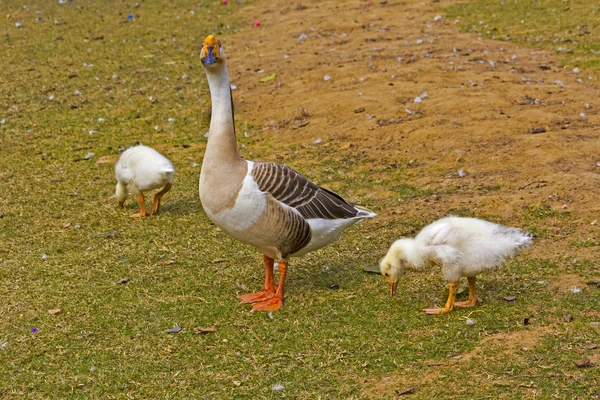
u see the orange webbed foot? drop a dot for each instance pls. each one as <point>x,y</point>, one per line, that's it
<point>468,303</point>
<point>270,305</point>
<point>436,310</point>
<point>139,215</point>
<point>256,297</point>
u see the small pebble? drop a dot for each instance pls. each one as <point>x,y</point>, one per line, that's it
<point>510,298</point>
<point>568,318</point>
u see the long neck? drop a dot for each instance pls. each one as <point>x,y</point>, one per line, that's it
<point>221,141</point>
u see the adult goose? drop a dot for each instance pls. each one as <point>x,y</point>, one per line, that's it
<point>460,247</point>
<point>266,205</point>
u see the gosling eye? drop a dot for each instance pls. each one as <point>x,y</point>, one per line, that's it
<point>387,275</point>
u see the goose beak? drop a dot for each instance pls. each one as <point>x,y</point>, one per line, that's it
<point>393,287</point>
<point>210,51</point>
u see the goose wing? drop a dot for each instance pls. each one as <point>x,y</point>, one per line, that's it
<point>289,187</point>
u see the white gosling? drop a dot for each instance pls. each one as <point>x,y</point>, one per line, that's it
<point>140,169</point>
<point>266,205</point>
<point>461,247</point>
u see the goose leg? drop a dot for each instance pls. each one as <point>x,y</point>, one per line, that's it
<point>274,303</point>
<point>269,289</point>
<point>449,303</point>
<point>158,196</point>
<point>473,299</point>
<point>142,212</point>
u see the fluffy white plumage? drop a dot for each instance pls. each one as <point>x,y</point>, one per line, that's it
<point>461,247</point>
<point>140,169</point>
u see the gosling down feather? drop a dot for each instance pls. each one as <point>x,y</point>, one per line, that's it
<point>266,205</point>
<point>461,247</point>
<point>140,169</point>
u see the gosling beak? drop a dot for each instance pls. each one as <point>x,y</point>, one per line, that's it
<point>393,287</point>
<point>210,50</point>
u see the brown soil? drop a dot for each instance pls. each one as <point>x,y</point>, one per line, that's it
<point>567,282</point>
<point>492,348</point>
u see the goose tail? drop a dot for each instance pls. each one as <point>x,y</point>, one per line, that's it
<point>364,213</point>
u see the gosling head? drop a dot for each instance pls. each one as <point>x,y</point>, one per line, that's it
<point>211,53</point>
<point>393,264</point>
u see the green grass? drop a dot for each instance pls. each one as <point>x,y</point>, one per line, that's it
<point>64,245</point>
<point>569,28</point>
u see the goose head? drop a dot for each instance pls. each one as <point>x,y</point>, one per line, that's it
<point>393,264</point>
<point>211,55</point>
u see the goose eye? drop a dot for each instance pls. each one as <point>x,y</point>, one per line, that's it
<point>387,275</point>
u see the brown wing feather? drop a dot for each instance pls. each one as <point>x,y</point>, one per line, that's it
<point>289,187</point>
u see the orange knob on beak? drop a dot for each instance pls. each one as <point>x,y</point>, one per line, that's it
<point>210,50</point>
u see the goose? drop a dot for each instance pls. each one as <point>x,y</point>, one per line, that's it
<point>461,247</point>
<point>263,204</point>
<point>140,169</point>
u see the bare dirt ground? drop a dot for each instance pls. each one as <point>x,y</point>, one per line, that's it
<point>357,67</point>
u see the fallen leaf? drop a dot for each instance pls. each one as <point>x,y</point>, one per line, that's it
<point>408,390</point>
<point>202,331</point>
<point>123,280</point>
<point>175,329</point>
<point>585,363</point>
<point>300,125</point>
<point>372,270</point>
<point>54,311</point>
<point>568,318</point>
<point>538,130</point>
<point>268,78</point>
<point>510,298</point>
<point>590,346</point>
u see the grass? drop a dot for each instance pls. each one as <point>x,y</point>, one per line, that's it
<point>65,246</point>
<point>568,28</point>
